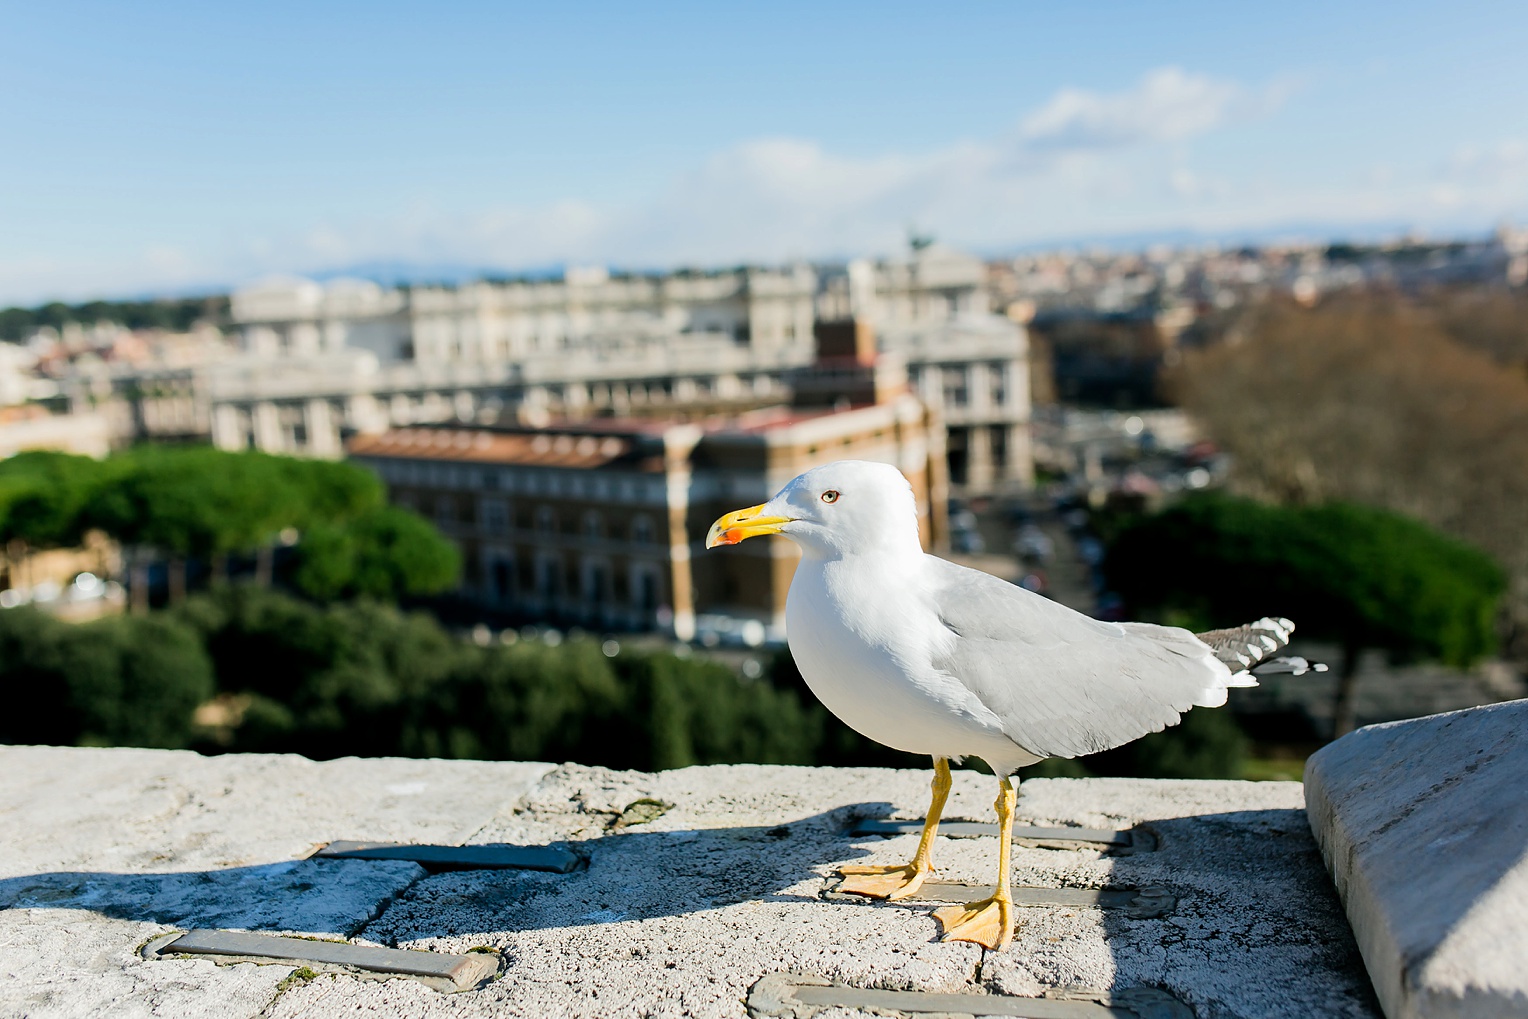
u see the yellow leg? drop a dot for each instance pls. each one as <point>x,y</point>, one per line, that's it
<point>898,882</point>
<point>989,922</point>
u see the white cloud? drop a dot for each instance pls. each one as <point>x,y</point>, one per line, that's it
<point>1169,104</point>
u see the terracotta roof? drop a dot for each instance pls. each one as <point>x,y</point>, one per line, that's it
<point>473,445</point>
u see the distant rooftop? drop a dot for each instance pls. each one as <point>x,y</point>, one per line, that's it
<point>591,443</point>
<point>479,445</point>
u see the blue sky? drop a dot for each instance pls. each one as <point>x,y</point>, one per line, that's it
<point>156,147</point>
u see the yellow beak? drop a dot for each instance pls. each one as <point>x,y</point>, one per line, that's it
<point>743,523</point>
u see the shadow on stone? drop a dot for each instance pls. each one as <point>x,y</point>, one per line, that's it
<point>629,873</point>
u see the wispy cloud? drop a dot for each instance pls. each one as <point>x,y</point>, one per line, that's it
<point>1169,104</point>
<point>1504,164</point>
<point>1084,162</point>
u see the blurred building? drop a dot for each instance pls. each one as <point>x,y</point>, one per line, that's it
<point>603,522</point>
<point>30,426</point>
<point>321,364</point>
<point>1108,359</point>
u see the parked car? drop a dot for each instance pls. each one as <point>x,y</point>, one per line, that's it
<point>967,542</point>
<point>1034,544</point>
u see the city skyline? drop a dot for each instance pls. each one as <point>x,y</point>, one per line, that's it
<point>173,149</point>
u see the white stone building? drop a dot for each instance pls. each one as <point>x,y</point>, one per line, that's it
<point>324,362</point>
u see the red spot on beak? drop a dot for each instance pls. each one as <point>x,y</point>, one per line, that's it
<point>731,536</point>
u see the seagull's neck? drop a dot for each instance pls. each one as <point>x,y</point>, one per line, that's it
<point>885,561</point>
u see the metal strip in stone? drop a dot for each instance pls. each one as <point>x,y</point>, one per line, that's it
<point>489,857</point>
<point>1147,903</point>
<point>462,971</point>
<point>798,995</point>
<point>977,829</point>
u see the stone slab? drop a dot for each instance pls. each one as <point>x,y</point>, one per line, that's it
<point>455,971</point>
<point>1424,826</point>
<point>802,996</point>
<point>979,829</point>
<point>1141,903</point>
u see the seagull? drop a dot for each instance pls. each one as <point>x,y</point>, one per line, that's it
<point>929,657</point>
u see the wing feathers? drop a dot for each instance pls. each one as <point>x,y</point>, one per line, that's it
<point>1064,684</point>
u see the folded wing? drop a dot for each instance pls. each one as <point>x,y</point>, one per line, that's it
<point>1064,684</point>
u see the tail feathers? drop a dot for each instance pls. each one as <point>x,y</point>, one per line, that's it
<point>1246,649</point>
<point>1287,665</point>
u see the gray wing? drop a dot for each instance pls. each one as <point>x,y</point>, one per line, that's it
<point>1062,683</point>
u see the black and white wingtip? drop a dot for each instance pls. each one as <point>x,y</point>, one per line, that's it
<point>1243,648</point>
<point>1287,665</point>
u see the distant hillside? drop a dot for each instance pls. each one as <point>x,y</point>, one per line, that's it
<point>175,315</point>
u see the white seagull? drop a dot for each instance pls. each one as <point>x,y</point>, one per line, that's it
<point>932,658</point>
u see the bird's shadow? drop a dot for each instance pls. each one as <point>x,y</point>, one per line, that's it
<point>630,874</point>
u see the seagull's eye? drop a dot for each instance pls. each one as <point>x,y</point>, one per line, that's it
<point>830,496</point>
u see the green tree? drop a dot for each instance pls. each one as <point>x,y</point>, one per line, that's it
<point>699,712</point>
<point>173,315</point>
<point>34,679</point>
<point>193,503</point>
<point>363,678</point>
<point>1416,405</point>
<point>385,553</point>
<point>1354,575</point>
<point>533,702</point>
<point>324,681</point>
<point>112,682</point>
<point>136,681</point>
<point>44,495</point>
<point>328,491</point>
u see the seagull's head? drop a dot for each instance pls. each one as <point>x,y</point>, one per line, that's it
<point>847,507</point>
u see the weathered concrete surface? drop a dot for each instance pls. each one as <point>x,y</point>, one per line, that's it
<point>103,850</point>
<point>675,916</point>
<point>157,810</point>
<point>1424,825</point>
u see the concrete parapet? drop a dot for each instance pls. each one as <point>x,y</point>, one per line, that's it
<point>692,887</point>
<point>1424,826</point>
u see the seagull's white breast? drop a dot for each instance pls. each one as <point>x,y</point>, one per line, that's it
<point>863,638</point>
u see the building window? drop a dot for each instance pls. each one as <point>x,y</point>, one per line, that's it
<point>956,444</point>
<point>594,527</point>
<point>549,578</point>
<point>955,393</point>
<point>642,530</point>
<point>998,373</point>
<point>501,579</point>
<point>495,516</point>
<point>445,512</point>
<point>596,585</point>
<point>546,520</point>
<point>644,590</point>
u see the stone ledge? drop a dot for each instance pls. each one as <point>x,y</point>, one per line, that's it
<point>1424,826</point>
<point>716,881</point>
